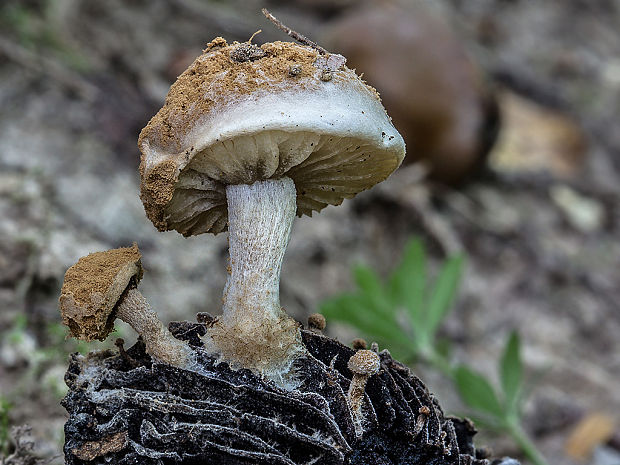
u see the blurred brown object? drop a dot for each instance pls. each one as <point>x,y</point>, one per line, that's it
<point>593,430</point>
<point>437,97</point>
<point>536,139</point>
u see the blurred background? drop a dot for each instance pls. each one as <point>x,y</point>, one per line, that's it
<point>510,110</point>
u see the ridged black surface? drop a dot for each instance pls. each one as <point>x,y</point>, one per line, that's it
<point>221,416</point>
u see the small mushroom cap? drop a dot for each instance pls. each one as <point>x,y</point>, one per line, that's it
<point>317,321</point>
<point>238,115</point>
<point>92,288</point>
<point>364,362</point>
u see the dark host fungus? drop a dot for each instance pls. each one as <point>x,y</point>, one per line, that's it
<point>149,413</point>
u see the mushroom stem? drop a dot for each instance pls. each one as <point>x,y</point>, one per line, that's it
<point>254,332</point>
<point>134,310</point>
<point>260,217</point>
<point>363,364</point>
<point>355,396</point>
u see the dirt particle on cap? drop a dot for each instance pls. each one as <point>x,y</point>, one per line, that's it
<point>215,44</point>
<point>246,52</point>
<point>294,70</point>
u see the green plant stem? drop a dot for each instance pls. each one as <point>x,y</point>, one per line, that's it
<point>433,358</point>
<point>524,442</point>
<point>512,427</point>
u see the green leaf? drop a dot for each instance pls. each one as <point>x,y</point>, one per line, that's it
<point>488,422</point>
<point>511,372</point>
<point>477,392</point>
<point>408,282</point>
<point>372,289</point>
<point>354,310</point>
<point>443,294</point>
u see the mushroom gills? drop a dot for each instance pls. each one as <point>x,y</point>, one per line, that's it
<point>326,170</point>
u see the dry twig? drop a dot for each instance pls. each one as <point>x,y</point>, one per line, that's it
<point>302,39</point>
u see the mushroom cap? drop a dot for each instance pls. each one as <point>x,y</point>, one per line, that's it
<point>317,321</point>
<point>92,288</point>
<point>243,113</point>
<point>364,362</point>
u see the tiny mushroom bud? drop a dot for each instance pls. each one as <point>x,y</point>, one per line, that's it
<point>102,287</point>
<point>243,145</point>
<point>316,322</point>
<point>359,343</point>
<point>363,364</point>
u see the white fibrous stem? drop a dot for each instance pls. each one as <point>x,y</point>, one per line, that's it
<point>260,217</point>
<point>254,332</point>
<point>356,399</point>
<point>134,310</point>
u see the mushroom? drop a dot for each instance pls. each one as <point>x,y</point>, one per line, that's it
<point>102,287</point>
<point>242,143</point>
<point>363,364</point>
<point>316,323</point>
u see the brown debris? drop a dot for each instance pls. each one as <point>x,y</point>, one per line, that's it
<point>92,449</point>
<point>246,52</point>
<point>120,345</point>
<point>592,431</point>
<point>536,139</point>
<point>215,44</point>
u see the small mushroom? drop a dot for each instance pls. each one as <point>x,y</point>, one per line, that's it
<point>102,287</point>
<point>316,322</point>
<point>244,146</point>
<point>363,364</point>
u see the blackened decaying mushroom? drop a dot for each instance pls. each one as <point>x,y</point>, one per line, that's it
<point>245,143</point>
<point>102,287</point>
<point>159,414</point>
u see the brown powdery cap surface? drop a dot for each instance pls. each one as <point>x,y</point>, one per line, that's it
<point>364,362</point>
<point>186,101</point>
<point>317,321</point>
<point>92,288</point>
<point>242,113</point>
